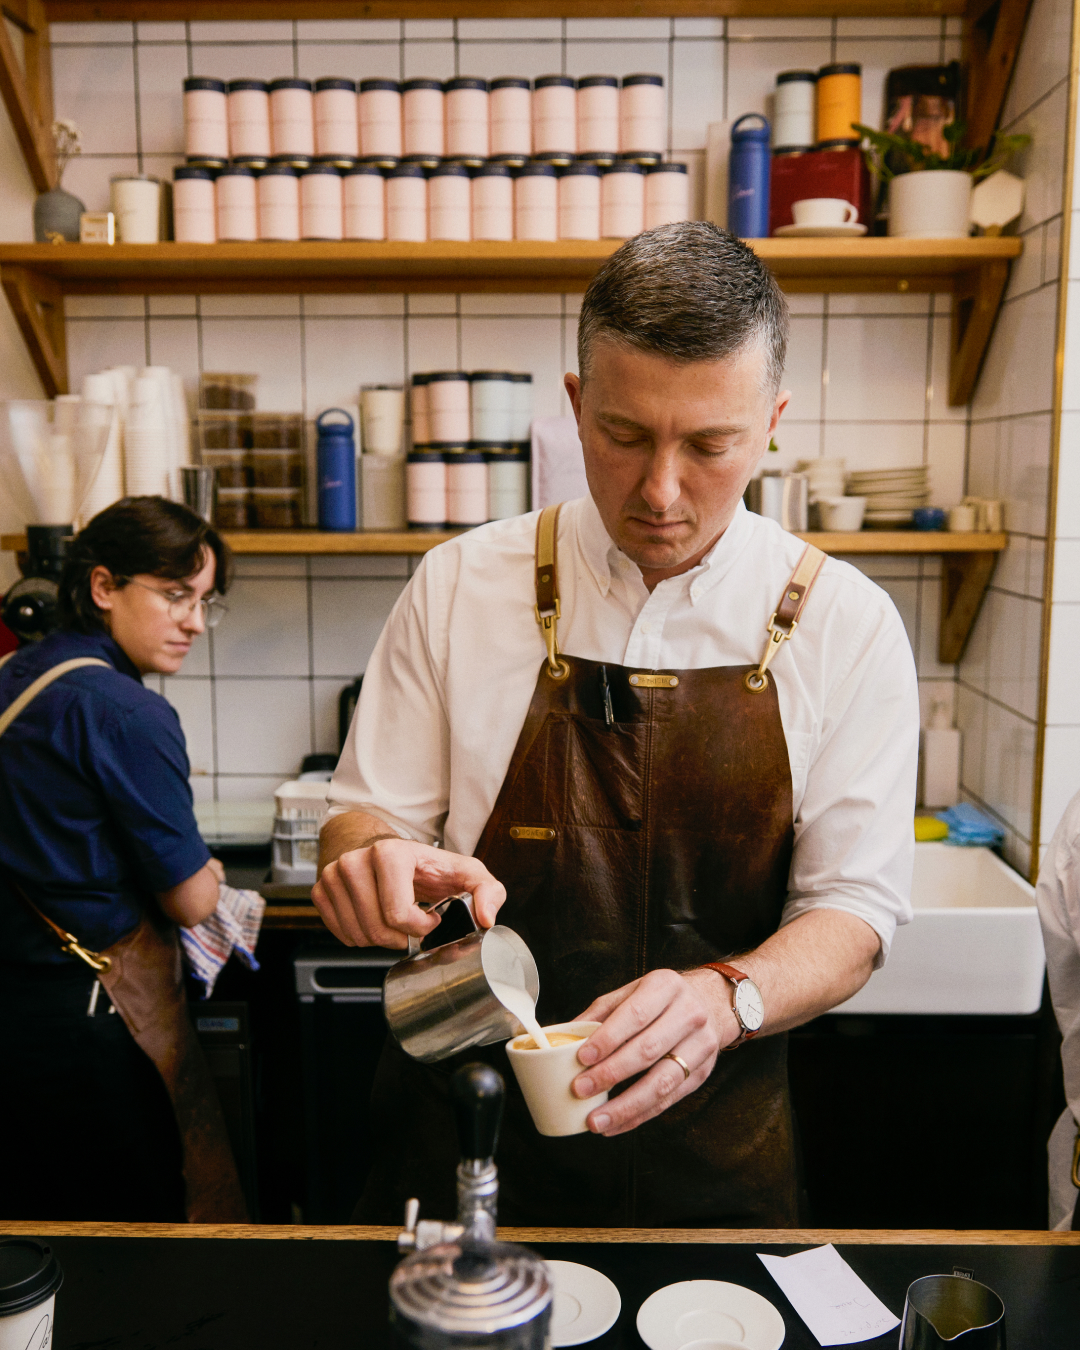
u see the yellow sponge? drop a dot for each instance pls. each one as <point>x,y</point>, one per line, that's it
<point>929,827</point>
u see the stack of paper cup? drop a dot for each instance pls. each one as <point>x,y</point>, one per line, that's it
<point>382,418</point>
<point>147,449</point>
<point>99,393</point>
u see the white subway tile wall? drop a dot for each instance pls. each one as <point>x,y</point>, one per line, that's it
<point>1009,456</point>
<point>868,373</point>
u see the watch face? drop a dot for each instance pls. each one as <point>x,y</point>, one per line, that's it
<point>749,1007</point>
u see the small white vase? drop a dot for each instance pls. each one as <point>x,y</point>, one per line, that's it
<point>930,204</point>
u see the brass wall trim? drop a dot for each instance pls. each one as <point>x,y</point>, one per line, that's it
<point>643,681</point>
<point>531,832</point>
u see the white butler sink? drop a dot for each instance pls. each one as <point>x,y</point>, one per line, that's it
<point>974,945</point>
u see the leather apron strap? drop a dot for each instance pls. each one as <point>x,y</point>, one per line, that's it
<point>143,977</point>
<point>781,627</point>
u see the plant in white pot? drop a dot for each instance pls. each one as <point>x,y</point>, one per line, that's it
<point>930,193</point>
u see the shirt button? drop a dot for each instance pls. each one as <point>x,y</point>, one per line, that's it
<point>646,627</point>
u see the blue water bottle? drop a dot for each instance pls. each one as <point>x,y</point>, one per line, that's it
<point>748,178</point>
<point>337,471</point>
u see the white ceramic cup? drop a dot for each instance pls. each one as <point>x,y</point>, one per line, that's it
<point>544,1077</point>
<point>824,211</point>
<point>841,513</point>
<point>962,519</point>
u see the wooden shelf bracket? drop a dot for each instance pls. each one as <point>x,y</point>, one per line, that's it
<point>37,302</point>
<point>977,297</point>
<point>27,94</point>
<point>964,579</point>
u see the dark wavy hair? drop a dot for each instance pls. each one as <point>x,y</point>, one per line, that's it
<point>137,535</point>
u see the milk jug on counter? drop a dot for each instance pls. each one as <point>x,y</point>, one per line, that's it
<point>336,458</point>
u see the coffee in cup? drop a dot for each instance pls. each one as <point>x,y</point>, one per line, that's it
<point>30,1275</point>
<point>824,211</point>
<point>545,1077</point>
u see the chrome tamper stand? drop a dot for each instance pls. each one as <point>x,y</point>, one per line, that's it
<point>459,1288</point>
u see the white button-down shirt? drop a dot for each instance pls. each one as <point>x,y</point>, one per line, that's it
<point>447,688</point>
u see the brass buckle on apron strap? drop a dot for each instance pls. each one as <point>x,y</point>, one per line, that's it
<point>548,610</point>
<point>786,617</point>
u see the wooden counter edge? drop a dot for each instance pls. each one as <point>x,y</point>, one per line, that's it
<point>947,1237</point>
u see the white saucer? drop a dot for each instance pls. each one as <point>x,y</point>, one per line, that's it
<point>709,1313</point>
<point>586,1303</point>
<point>820,231</point>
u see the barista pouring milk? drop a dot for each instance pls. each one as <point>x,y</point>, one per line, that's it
<point>689,787</point>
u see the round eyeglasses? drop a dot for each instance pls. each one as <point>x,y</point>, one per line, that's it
<point>182,603</point>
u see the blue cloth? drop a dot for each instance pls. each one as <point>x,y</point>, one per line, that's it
<point>971,827</point>
<point>95,807</point>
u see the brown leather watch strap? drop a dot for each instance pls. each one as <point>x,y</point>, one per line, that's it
<point>736,977</point>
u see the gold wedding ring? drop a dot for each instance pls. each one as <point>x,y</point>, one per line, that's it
<point>680,1062</point>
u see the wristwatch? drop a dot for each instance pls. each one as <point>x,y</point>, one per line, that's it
<point>748,1005</point>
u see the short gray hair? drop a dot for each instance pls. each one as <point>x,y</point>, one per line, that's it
<point>690,292</point>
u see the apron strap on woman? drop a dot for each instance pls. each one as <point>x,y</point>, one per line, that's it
<point>787,614</point>
<point>42,682</point>
<point>548,610</point>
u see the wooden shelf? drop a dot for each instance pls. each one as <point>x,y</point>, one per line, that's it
<point>37,277</point>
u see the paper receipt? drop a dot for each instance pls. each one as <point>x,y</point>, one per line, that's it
<point>829,1297</point>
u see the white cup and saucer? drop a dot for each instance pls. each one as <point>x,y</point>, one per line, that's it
<point>822,218</point>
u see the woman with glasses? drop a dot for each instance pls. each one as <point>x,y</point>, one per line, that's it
<point>109,1110</point>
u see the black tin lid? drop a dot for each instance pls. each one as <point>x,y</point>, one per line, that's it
<point>410,85</point>
<point>579,169</point>
<point>601,158</point>
<point>450,168</point>
<point>440,376</point>
<point>407,171</point>
<point>386,162</point>
<point>320,168</point>
<point>510,161</point>
<point>598,82</point>
<point>558,158</point>
<point>236,171</point>
<point>199,82</point>
<point>210,162</point>
<point>467,456</point>
<point>358,166</point>
<point>275,85</point>
<point>666,167</point>
<point>260,86</point>
<point>534,169</point>
<point>422,378</point>
<point>491,375</point>
<point>425,456</point>
<point>520,377</point>
<point>839,68</point>
<point>629,80</point>
<point>386,86</point>
<point>840,143</point>
<point>490,170</point>
<point>646,158</point>
<point>503,452</point>
<point>797,77</point>
<point>341,162</point>
<point>185,171</point>
<point>294,161</point>
<point>509,82</point>
<point>279,171</point>
<point>425,162</point>
<point>29,1274</point>
<point>465,82</point>
<point>553,82</point>
<point>256,162</point>
<point>451,449</point>
<point>621,166</point>
<point>334,82</point>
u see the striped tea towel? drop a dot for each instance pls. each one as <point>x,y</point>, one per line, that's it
<point>233,926</point>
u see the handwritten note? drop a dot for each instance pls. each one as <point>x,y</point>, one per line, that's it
<point>829,1297</point>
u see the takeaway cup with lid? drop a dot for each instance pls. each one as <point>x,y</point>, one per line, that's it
<point>30,1275</point>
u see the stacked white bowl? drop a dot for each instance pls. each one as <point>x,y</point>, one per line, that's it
<point>826,477</point>
<point>891,494</point>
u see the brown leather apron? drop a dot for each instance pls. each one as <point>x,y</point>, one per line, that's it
<point>143,977</point>
<point>645,822</point>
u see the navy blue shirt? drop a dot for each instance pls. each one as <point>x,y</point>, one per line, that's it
<point>95,805</point>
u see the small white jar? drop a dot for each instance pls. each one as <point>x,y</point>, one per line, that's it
<point>510,103</point>
<point>467,114</point>
<point>491,402</point>
<point>249,117</point>
<point>321,215</point>
<point>418,410</point>
<point>364,200</point>
<point>206,118</point>
<point>292,117</point>
<point>193,206</point>
<point>493,202</point>
<point>523,407</point>
<point>597,114</point>
<point>667,195</point>
<point>237,204</point>
<point>406,204</point>
<point>135,201</point>
<point>337,130</point>
<point>448,407</point>
<point>554,112</point>
<point>466,488</point>
<point>278,192</point>
<point>622,200</point>
<point>425,490</point>
<point>508,483</point>
<point>382,418</point>
<point>642,115</point>
<point>423,116</point>
<point>380,117</point>
<point>449,203</point>
<point>536,203</point>
<point>794,105</point>
<point>579,202</point>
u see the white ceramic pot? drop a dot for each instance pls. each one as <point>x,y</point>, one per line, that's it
<point>930,204</point>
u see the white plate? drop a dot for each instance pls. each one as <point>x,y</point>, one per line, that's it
<point>709,1311</point>
<point>586,1303</point>
<point>886,518</point>
<point>819,231</point>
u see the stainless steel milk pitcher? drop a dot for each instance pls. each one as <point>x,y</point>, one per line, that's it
<point>952,1311</point>
<point>440,1002</point>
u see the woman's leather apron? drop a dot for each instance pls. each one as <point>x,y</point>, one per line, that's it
<point>143,977</point>
<point>645,822</point>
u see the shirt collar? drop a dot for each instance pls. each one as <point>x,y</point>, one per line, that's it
<point>99,644</point>
<point>601,554</point>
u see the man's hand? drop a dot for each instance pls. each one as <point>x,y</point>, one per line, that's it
<point>687,1015</point>
<point>368,896</point>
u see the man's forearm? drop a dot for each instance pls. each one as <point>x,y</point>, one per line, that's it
<point>809,966</point>
<point>350,830</point>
